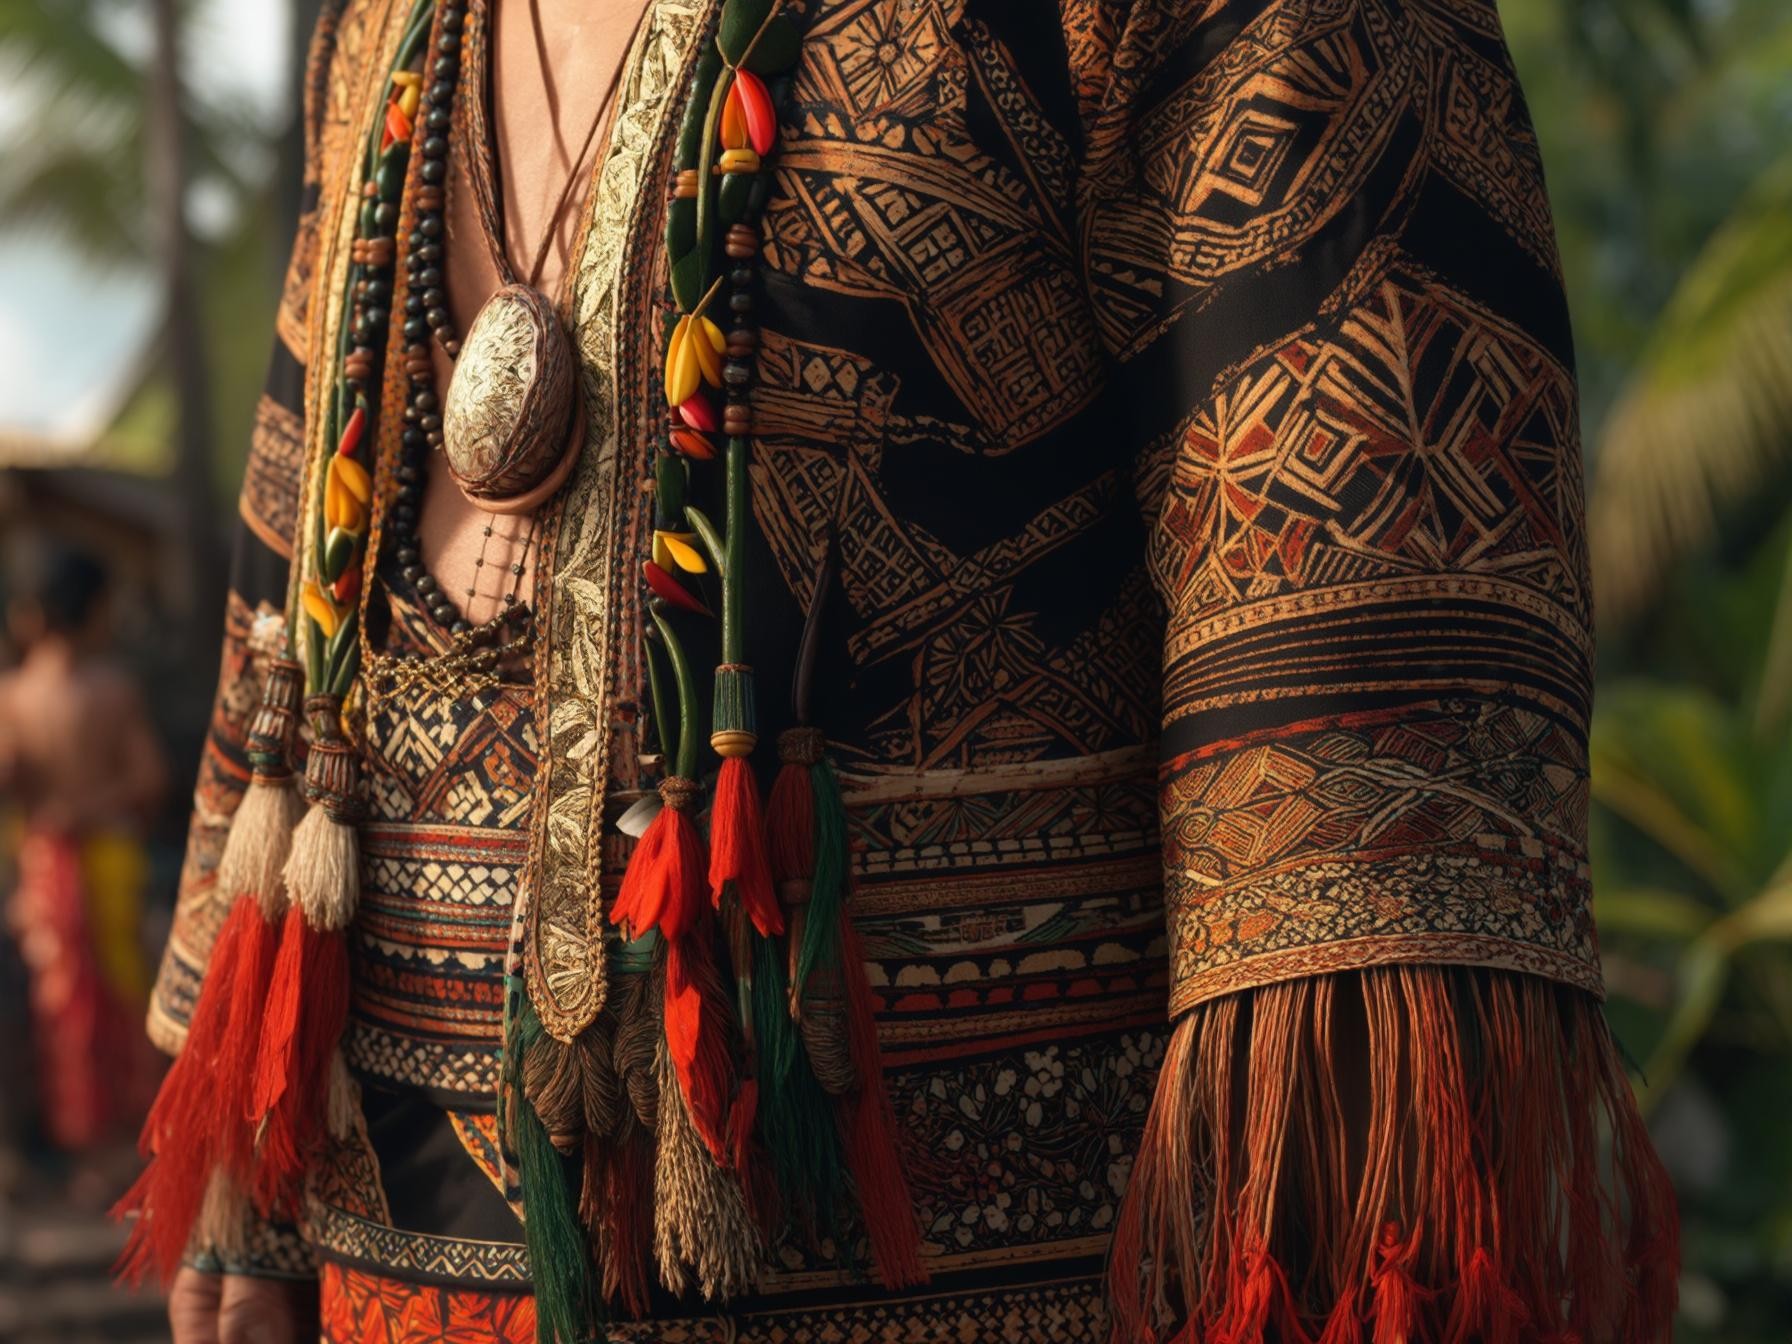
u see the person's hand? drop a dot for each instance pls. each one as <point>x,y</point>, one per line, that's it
<point>237,1309</point>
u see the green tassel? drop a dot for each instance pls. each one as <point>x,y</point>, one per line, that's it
<point>820,947</point>
<point>567,1304</point>
<point>796,1117</point>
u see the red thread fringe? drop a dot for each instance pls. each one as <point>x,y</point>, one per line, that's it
<point>697,1038</point>
<point>790,824</point>
<point>1404,1154</point>
<point>737,847</point>
<point>871,1151</point>
<point>188,1133</point>
<point>307,1010</point>
<point>628,1218</point>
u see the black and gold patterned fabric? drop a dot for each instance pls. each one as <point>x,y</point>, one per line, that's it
<point>1184,393</point>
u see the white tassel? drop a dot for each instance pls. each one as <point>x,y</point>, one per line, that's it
<point>342,1112</point>
<point>260,839</point>
<point>222,1227</point>
<point>323,872</point>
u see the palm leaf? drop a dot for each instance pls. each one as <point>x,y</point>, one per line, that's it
<point>1707,417</point>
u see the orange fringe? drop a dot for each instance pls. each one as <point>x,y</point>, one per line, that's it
<point>1403,1154</point>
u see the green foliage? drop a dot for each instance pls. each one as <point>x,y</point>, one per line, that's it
<point>1664,126</point>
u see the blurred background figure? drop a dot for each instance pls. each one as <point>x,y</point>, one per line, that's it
<point>146,193</point>
<point>82,776</point>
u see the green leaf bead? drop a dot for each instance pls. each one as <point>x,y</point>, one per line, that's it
<point>734,197</point>
<point>712,539</point>
<point>690,130</point>
<point>740,20</point>
<point>389,180</point>
<point>343,655</point>
<point>777,48</point>
<point>690,277</point>
<point>681,226</point>
<point>339,549</point>
<point>668,491</point>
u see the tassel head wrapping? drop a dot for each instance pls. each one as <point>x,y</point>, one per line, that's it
<point>254,856</point>
<point>323,872</point>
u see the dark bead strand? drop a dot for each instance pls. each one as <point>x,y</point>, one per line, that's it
<point>426,318</point>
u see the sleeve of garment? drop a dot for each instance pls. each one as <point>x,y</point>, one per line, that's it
<point>254,631</point>
<point>1319,252</point>
<point>261,555</point>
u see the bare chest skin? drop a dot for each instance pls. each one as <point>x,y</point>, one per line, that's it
<point>550,63</point>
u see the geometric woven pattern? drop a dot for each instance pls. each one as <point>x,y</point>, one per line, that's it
<point>1183,394</point>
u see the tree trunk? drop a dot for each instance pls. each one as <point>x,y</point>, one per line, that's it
<point>197,551</point>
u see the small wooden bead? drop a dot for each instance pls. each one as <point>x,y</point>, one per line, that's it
<point>429,198</point>
<point>742,242</point>
<point>685,188</point>
<point>379,251</point>
<point>737,419</point>
<point>742,342</point>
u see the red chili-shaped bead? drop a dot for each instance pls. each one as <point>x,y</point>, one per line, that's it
<point>398,126</point>
<point>691,444</point>
<point>756,110</point>
<point>669,588</point>
<point>698,413</point>
<point>348,585</point>
<point>352,431</point>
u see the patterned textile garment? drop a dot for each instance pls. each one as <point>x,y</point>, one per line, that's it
<point>416,1194</point>
<point>1183,392</point>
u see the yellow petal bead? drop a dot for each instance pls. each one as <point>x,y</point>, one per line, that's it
<point>354,478</point>
<point>319,609</point>
<point>709,363</point>
<point>683,372</point>
<point>675,549</point>
<point>717,341</point>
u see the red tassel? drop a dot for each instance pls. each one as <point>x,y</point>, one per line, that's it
<point>663,886</point>
<point>1487,1310</point>
<point>187,1133</point>
<point>871,1151</point>
<point>790,824</point>
<point>234,1073</point>
<point>1345,1324</point>
<point>1258,1297</point>
<point>307,1011</point>
<point>1395,1313</point>
<point>737,848</point>
<point>628,1221</point>
<point>696,1039</point>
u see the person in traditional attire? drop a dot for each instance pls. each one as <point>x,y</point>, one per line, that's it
<point>81,776</point>
<point>917,669</point>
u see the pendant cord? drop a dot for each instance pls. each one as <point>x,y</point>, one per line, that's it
<point>482,152</point>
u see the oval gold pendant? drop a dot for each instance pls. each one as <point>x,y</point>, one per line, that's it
<point>509,403</point>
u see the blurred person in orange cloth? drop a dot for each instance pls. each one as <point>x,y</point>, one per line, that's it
<point>82,773</point>
<point>906,669</point>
